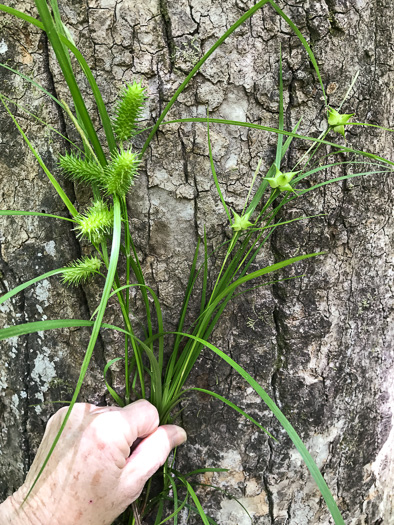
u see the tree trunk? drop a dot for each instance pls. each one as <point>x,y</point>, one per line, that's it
<point>320,345</point>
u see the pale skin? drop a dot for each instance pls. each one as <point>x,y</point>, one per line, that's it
<point>91,478</point>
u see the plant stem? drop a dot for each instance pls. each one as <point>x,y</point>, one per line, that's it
<point>136,514</point>
<point>240,21</point>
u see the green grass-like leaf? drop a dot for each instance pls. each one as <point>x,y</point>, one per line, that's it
<point>233,406</point>
<point>95,331</point>
<point>283,132</point>
<point>310,463</point>
<point>33,214</point>
<point>22,286</point>
<point>224,37</point>
<point>113,393</point>
<point>54,182</point>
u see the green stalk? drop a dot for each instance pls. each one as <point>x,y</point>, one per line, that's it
<point>283,132</point>
<point>312,467</point>
<point>95,331</point>
<point>68,73</point>
<point>54,182</point>
<point>228,253</point>
<point>127,306</point>
<point>231,30</point>
<point>182,374</point>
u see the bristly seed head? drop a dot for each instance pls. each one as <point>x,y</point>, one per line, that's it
<point>81,170</point>
<point>337,120</point>
<point>282,180</point>
<point>81,270</point>
<point>96,223</point>
<point>241,222</point>
<point>128,110</point>
<point>121,172</point>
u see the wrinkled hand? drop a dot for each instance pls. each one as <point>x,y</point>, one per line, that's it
<point>91,477</point>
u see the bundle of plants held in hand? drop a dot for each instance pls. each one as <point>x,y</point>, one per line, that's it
<point>152,369</point>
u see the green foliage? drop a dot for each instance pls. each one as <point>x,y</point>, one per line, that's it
<point>128,110</point>
<point>96,223</point>
<point>121,172</point>
<point>81,270</point>
<point>81,170</point>
<point>146,367</point>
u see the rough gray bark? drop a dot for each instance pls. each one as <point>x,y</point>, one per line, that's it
<point>321,345</point>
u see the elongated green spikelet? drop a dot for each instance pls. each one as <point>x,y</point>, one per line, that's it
<point>96,223</point>
<point>81,170</point>
<point>128,110</point>
<point>120,173</point>
<point>80,270</point>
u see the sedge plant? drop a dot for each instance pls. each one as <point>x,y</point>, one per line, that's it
<point>153,370</point>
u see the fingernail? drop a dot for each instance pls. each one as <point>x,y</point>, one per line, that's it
<point>182,436</point>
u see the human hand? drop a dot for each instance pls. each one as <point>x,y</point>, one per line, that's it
<point>91,478</point>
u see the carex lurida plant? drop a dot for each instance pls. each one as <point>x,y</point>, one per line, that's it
<point>153,369</point>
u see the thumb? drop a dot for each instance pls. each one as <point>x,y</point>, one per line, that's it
<point>150,455</point>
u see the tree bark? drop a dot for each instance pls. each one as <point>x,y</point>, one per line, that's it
<point>320,345</point>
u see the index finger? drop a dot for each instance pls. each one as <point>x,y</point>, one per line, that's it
<point>137,420</point>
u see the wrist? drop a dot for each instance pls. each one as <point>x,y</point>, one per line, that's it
<point>14,511</point>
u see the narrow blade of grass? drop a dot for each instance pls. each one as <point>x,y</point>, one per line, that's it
<point>283,132</point>
<point>196,502</point>
<point>25,285</point>
<point>32,81</point>
<point>205,275</point>
<point>33,214</point>
<point>310,463</point>
<point>215,178</point>
<point>231,30</point>
<point>204,470</point>
<point>344,177</point>
<point>188,292</point>
<point>95,331</point>
<point>233,406</point>
<point>41,326</point>
<point>54,182</point>
<point>177,508</point>
<point>113,393</point>
<point>278,157</point>
<point>64,63</point>
<point>22,16</point>
<point>304,43</point>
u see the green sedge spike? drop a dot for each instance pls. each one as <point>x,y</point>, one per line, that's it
<point>241,222</point>
<point>120,173</point>
<point>81,270</point>
<point>337,120</point>
<point>96,223</point>
<point>282,180</point>
<point>128,110</point>
<point>80,169</point>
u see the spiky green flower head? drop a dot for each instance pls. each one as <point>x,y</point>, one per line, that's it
<point>282,180</point>
<point>96,223</point>
<point>81,170</point>
<point>128,110</point>
<point>241,222</point>
<point>81,270</point>
<point>121,172</point>
<point>337,120</point>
